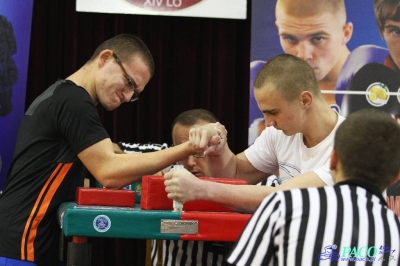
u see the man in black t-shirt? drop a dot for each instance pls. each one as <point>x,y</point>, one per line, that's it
<point>61,137</point>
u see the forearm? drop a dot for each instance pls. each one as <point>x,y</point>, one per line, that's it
<point>118,170</point>
<point>242,198</point>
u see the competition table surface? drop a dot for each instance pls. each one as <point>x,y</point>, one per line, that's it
<point>133,222</point>
<point>149,216</point>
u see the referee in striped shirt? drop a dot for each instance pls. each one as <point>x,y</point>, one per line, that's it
<point>345,224</point>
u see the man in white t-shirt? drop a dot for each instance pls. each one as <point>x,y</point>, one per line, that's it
<point>297,141</point>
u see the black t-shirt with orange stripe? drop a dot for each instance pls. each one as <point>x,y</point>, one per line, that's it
<point>46,171</point>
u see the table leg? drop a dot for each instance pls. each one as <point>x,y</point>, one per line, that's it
<point>79,252</point>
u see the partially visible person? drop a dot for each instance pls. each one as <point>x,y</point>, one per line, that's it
<point>379,79</point>
<point>297,142</point>
<point>178,252</point>
<point>315,31</point>
<point>61,138</point>
<point>387,14</point>
<point>346,223</point>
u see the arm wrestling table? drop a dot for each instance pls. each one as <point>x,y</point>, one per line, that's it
<point>152,219</point>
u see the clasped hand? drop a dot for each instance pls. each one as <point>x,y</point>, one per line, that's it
<point>208,139</point>
<point>182,186</point>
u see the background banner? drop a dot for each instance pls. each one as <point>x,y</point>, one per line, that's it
<point>231,9</point>
<point>356,86</point>
<point>15,30</point>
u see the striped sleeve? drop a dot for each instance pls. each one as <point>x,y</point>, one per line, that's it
<point>259,231</point>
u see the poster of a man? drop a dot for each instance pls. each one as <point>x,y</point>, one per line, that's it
<point>346,42</point>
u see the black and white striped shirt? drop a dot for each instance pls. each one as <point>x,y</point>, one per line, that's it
<point>141,148</point>
<point>337,225</point>
<point>195,253</point>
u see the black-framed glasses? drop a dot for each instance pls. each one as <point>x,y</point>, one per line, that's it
<point>129,80</point>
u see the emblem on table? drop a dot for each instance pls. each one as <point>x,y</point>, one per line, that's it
<point>179,227</point>
<point>101,223</point>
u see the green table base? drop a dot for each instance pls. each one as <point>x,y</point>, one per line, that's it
<point>113,222</point>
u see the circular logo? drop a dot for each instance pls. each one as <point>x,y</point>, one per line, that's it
<point>101,223</point>
<point>377,94</point>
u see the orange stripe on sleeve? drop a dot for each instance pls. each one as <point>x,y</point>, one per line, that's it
<point>46,194</point>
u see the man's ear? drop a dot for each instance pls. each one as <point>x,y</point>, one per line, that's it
<point>347,32</point>
<point>395,179</point>
<point>306,99</point>
<point>334,160</point>
<point>104,56</point>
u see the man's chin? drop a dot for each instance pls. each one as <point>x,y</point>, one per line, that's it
<point>318,75</point>
<point>287,133</point>
<point>110,106</point>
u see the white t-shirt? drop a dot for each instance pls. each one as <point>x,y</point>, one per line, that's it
<point>273,150</point>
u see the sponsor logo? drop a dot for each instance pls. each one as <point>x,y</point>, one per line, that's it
<point>329,253</point>
<point>363,253</point>
<point>164,5</point>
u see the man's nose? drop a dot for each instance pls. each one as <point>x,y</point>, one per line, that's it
<point>127,95</point>
<point>304,50</point>
<point>268,121</point>
<point>191,161</point>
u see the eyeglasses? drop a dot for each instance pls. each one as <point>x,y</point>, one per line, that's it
<point>129,81</point>
<point>195,156</point>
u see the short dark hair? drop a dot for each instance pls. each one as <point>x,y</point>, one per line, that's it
<point>384,10</point>
<point>306,8</point>
<point>192,117</point>
<point>126,46</point>
<point>368,146</point>
<point>288,74</point>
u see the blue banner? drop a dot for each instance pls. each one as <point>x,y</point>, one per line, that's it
<point>15,31</point>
